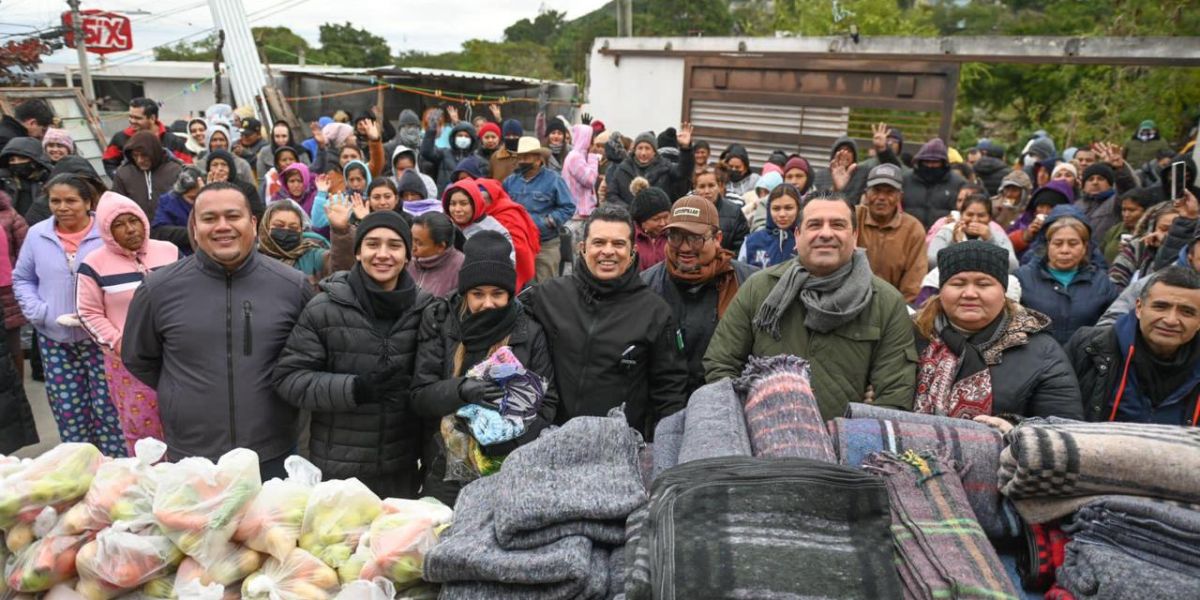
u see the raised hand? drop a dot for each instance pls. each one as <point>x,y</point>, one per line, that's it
<point>684,135</point>
<point>841,174</point>
<point>317,136</point>
<point>338,212</point>
<point>452,112</point>
<point>879,136</point>
<point>495,110</point>
<point>323,183</point>
<point>361,210</point>
<point>372,130</point>
<point>585,118</point>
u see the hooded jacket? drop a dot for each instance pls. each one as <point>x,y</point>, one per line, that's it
<point>431,188</point>
<point>1003,213</point>
<point>334,342</point>
<point>769,246</point>
<point>25,192</point>
<point>109,276</point>
<point>445,159</point>
<point>14,229</point>
<point>737,188</point>
<point>929,201</point>
<point>659,172</point>
<point>580,170</point>
<point>306,197</point>
<point>144,187</point>
<point>480,220</point>
<point>114,154</point>
<point>523,232</point>
<point>44,279</point>
<point>245,172</point>
<point>992,172</point>
<point>207,340</point>
<point>257,206</point>
<point>823,178</point>
<point>1137,151</point>
<point>611,345</point>
<point>74,164</point>
<point>1037,248</point>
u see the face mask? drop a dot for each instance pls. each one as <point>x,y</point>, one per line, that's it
<point>511,144</point>
<point>1146,135</point>
<point>286,239</point>
<point>462,142</point>
<point>736,176</point>
<point>22,171</point>
<point>556,148</point>
<point>523,168</point>
<point>932,173</point>
<point>1029,160</point>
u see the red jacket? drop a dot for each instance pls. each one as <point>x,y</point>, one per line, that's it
<point>526,239</point>
<point>114,154</point>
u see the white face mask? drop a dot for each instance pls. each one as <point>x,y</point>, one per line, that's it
<point>462,142</point>
<point>1030,160</point>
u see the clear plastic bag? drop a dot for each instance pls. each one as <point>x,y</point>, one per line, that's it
<point>57,478</point>
<point>272,522</point>
<point>376,589</point>
<point>44,564</point>
<point>400,538</point>
<point>199,504</point>
<point>194,590</point>
<point>127,555</point>
<point>338,515</point>
<point>123,489</point>
<point>299,576</point>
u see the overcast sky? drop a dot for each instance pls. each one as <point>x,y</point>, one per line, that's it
<point>427,25</point>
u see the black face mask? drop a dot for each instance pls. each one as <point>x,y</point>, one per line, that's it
<point>286,239</point>
<point>736,176</point>
<point>932,174</point>
<point>510,144</point>
<point>23,170</point>
<point>524,168</point>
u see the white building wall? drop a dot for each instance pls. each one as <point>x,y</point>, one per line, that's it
<point>642,93</point>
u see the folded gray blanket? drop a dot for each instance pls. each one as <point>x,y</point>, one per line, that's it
<point>668,439</point>
<point>1148,529</point>
<point>580,479</point>
<point>595,587</point>
<point>715,425</point>
<point>1052,467</point>
<point>1105,573</point>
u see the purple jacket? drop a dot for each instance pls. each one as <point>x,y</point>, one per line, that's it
<point>44,282</point>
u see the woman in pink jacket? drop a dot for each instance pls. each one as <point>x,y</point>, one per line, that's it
<point>580,168</point>
<point>107,280</point>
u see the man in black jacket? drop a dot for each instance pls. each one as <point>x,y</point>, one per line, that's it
<point>24,169</point>
<point>698,278</point>
<point>613,339</point>
<point>1145,368</point>
<point>30,118</point>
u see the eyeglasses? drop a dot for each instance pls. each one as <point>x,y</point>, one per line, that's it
<point>678,238</point>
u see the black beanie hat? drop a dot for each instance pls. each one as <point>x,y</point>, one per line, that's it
<point>487,260</point>
<point>1101,169</point>
<point>668,138</point>
<point>389,219</point>
<point>649,202</point>
<point>973,256</point>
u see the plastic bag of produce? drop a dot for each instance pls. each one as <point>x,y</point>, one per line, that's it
<point>123,489</point>
<point>376,589</point>
<point>199,504</point>
<point>44,563</point>
<point>159,588</point>
<point>57,478</point>
<point>400,538</point>
<point>127,555</point>
<point>338,515</point>
<point>194,590</point>
<point>272,522</point>
<point>299,576</point>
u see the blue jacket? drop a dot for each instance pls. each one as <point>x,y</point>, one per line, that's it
<point>1136,408</point>
<point>545,197</point>
<point>1069,308</point>
<point>769,246</point>
<point>1037,248</point>
<point>171,221</point>
<point>44,280</point>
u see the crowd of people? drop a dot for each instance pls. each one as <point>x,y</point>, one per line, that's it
<point>226,285</point>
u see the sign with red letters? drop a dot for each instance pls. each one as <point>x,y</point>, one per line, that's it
<point>103,32</point>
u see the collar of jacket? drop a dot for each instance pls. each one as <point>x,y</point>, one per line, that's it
<point>213,268</point>
<point>92,234</point>
<point>893,223</point>
<point>1084,275</point>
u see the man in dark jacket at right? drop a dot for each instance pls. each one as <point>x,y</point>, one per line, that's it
<point>206,332</point>
<point>931,188</point>
<point>24,169</point>
<point>30,118</point>
<point>1153,351</point>
<point>698,278</point>
<point>613,340</point>
<point>148,172</point>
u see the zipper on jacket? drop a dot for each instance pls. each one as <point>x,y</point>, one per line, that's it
<point>229,357</point>
<point>587,357</point>
<point>247,339</point>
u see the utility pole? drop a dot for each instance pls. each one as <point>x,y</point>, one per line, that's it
<point>81,48</point>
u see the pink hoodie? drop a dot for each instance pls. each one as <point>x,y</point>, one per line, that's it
<point>580,169</point>
<point>109,276</point>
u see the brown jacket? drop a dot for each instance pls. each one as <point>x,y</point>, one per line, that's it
<point>503,163</point>
<point>896,250</point>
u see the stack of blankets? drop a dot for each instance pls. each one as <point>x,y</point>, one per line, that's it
<point>1127,495</point>
<point>551,523</point>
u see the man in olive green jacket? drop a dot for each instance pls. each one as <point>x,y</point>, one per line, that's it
<point>825,306</point>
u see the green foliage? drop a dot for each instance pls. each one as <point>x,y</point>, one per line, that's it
<point>201,50</point>
<point>349,46</point>
<point>279,44</point>
<point>527,59</point>
<point>540,30</point>
<point>681,17</point>
<point>873,17</point>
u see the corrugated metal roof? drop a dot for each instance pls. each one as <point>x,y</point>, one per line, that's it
<point>451,74</point>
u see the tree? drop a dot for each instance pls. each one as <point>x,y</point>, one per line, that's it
<point>348,46</point>
<point>203,50</point>
<point>542,29</point>
<point>19,58</point>
<point>280,44</point>
<point>526,59</point>
<point>682,17</point>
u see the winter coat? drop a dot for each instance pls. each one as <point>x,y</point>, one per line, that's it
<point>734,227</point>
<point>15,230</point>
<point>1137,152</point>
<point>1103,212</point>
<point>580,170</point>
<point>991,171</point>
<point>114,154</point>
<point>109,276</point>
<point>145,187</point>
<point>945,237</point>
<point>11,128</point>
<point>429,188</point>
<point>437,275</point>
<point>546,199</point>
<point>17,426</point>
<point>769,246</point>
<point>695,310</point>
<point>748,183</point>
<point>170,222</point>
<point>522,231</point>
<point>930,201</point>
<point>650,250</point>
<point>480,221</point>
<point>44,279</point>
<point>660,172</point>
<point>1098,356</point>
<point>611,347</point>
<point>1077,305</point>
<point>823,179</point>
<point>214,382</point>
<point>25,193</point>
<point>435,384</point>
<point>334,341</point>
<point>1033,377</point>
<point>1037,248</point>
<point>875,348</point>
<point>896,250</point>
<point>445,159</point>
<point>265,161</point>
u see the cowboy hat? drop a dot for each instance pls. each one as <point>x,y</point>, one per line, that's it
<point>531,145</point>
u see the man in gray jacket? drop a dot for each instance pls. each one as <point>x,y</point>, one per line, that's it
<point>206,332</point>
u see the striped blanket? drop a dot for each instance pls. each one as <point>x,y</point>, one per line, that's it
<point>782,415</point>
<point>974,446</point>
<point>1052,467</point>
<point>941,551</point>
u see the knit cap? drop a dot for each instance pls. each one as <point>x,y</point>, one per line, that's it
<point>487,261</point>
<point>647,137</point>
<point>973,256</point>
<point>1101,169</point>
<point>489,128</point>
<point>649,202</point>
<point>668,138</point>
<point>553,125</point>
<point>54,135</point>
<point>389,219</point>
<point>1066,166</point>
<point>512,127</point>
<point>797,162</point>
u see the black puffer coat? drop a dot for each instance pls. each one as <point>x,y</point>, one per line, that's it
<point>435,385</point>
<point>17,428</point>
<point>333,342</point>
<point>661,173</point>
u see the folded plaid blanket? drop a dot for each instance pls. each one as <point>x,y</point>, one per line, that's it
<point>1101,572</point>
<point>1052,467</point>
<point>715,425</point>
<point>740,527</point>
<point>973,446</point>
<point>941,551</point>
<point>1151,530</point>
<point>781,411</point>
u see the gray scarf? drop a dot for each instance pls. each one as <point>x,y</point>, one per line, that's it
<point>830,301</point>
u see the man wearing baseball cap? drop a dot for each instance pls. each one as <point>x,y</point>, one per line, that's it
<point>894,240</point>
<point>251,142</point>
<point>698,278</point>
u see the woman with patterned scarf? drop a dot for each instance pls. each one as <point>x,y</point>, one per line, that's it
<point>982,355</point>
<point>285,234</point>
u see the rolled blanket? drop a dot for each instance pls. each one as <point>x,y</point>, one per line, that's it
<point>580,479</point>
<point>668,439</point>
<point>1148,529</point>
<point>637,556</point>
<point>715,425</point>
<point>1103,572</point>
<point>740,527</point>
<point>782,415</point>
<point>941,551</point>
<point>973,446</point>
<point>1052,467</point>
